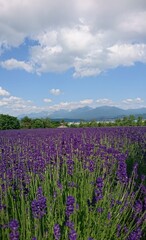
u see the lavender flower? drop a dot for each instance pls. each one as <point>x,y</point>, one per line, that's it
<point>72,234</point>
<point>135,235</point>
<point>99,209</point>
<point>122,169</point>
<point>39,192</point>
<point>70,206</point>
<point>59,185</point>
<point>38,205</point>
<point>138,207</point>
<point>14,234</point>
<point>118,230</point>
<point>109,216</point>
<point>14,225</point>
<point>57,233</point>
<point>69,224</point>
<point>70,167</point>
<point>98,190</point>
<point>91,166</point>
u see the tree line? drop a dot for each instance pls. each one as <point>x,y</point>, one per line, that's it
<point>11,122</point>
<point>125,121</point>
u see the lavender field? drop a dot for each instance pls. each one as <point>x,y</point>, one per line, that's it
<point>85,183</point>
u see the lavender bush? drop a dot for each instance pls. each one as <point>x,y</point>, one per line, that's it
<point>73,184</point>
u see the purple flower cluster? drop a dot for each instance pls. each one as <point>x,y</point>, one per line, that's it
<point>122,169</point>
<point>135,235</point>
<point>138,207</point>
<point>69,224</point>
<point>59,185</point>
<point>14,234</point>
<point>72,234</point>
<point>57,233</point>
<point>69,206</point>
<point>70,166</point>
<point>91,165</point>
<point>99,189</point>
<point>39,205</point>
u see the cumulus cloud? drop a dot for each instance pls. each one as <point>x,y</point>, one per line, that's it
<point>47,100</point>
<point>15,105</point>
<point>56,91</point>
<point>129,101</point>
<point>86,101</point>
<point>126,54</point>
<point>4,92</point>
<point>104,101</point>
<point>88,36</point>
<point>70,105</point>
<point>14,64</point>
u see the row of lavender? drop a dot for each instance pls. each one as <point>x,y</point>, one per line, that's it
<point>73,184</point>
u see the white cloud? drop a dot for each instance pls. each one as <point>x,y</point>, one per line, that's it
<point>56,91</point>
<point>130,101</point>
<point>86,101</point>
<point>13,105</point>
<point>3,92</point>
<point>135,24</point>
<point>89,36</point>
<point>67,106</point>
<point>126,54</point>
<point>104,101</point>
<point>14,64</point>
<point>47,100</point>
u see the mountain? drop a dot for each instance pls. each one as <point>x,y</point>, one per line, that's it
<point>103,113</point>
<point>43,114</point>
<point>73,114</point>
<point>88,113</point>
<point>136,111</point>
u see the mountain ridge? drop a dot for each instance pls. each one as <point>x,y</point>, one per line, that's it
<point>87,113</point>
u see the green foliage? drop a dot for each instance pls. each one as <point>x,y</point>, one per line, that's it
<point>26,122</point>
<point>125,121</point>
<point>8,122</point>
<point>37,123</point>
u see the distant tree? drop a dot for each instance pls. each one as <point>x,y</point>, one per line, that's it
<point>47,123</point>
<point>56,124</point>
<point>82,124</point>
<point>139,121</point>
<point>8,122</point>
<point>131,120</point>
<point>100,124</point>
<point>73,125</point>
<point>93,123</point>
<point>26,122</point>
<point>144,123</point>
<point>37,123</point>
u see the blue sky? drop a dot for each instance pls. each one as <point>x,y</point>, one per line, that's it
<point>85,54</point>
